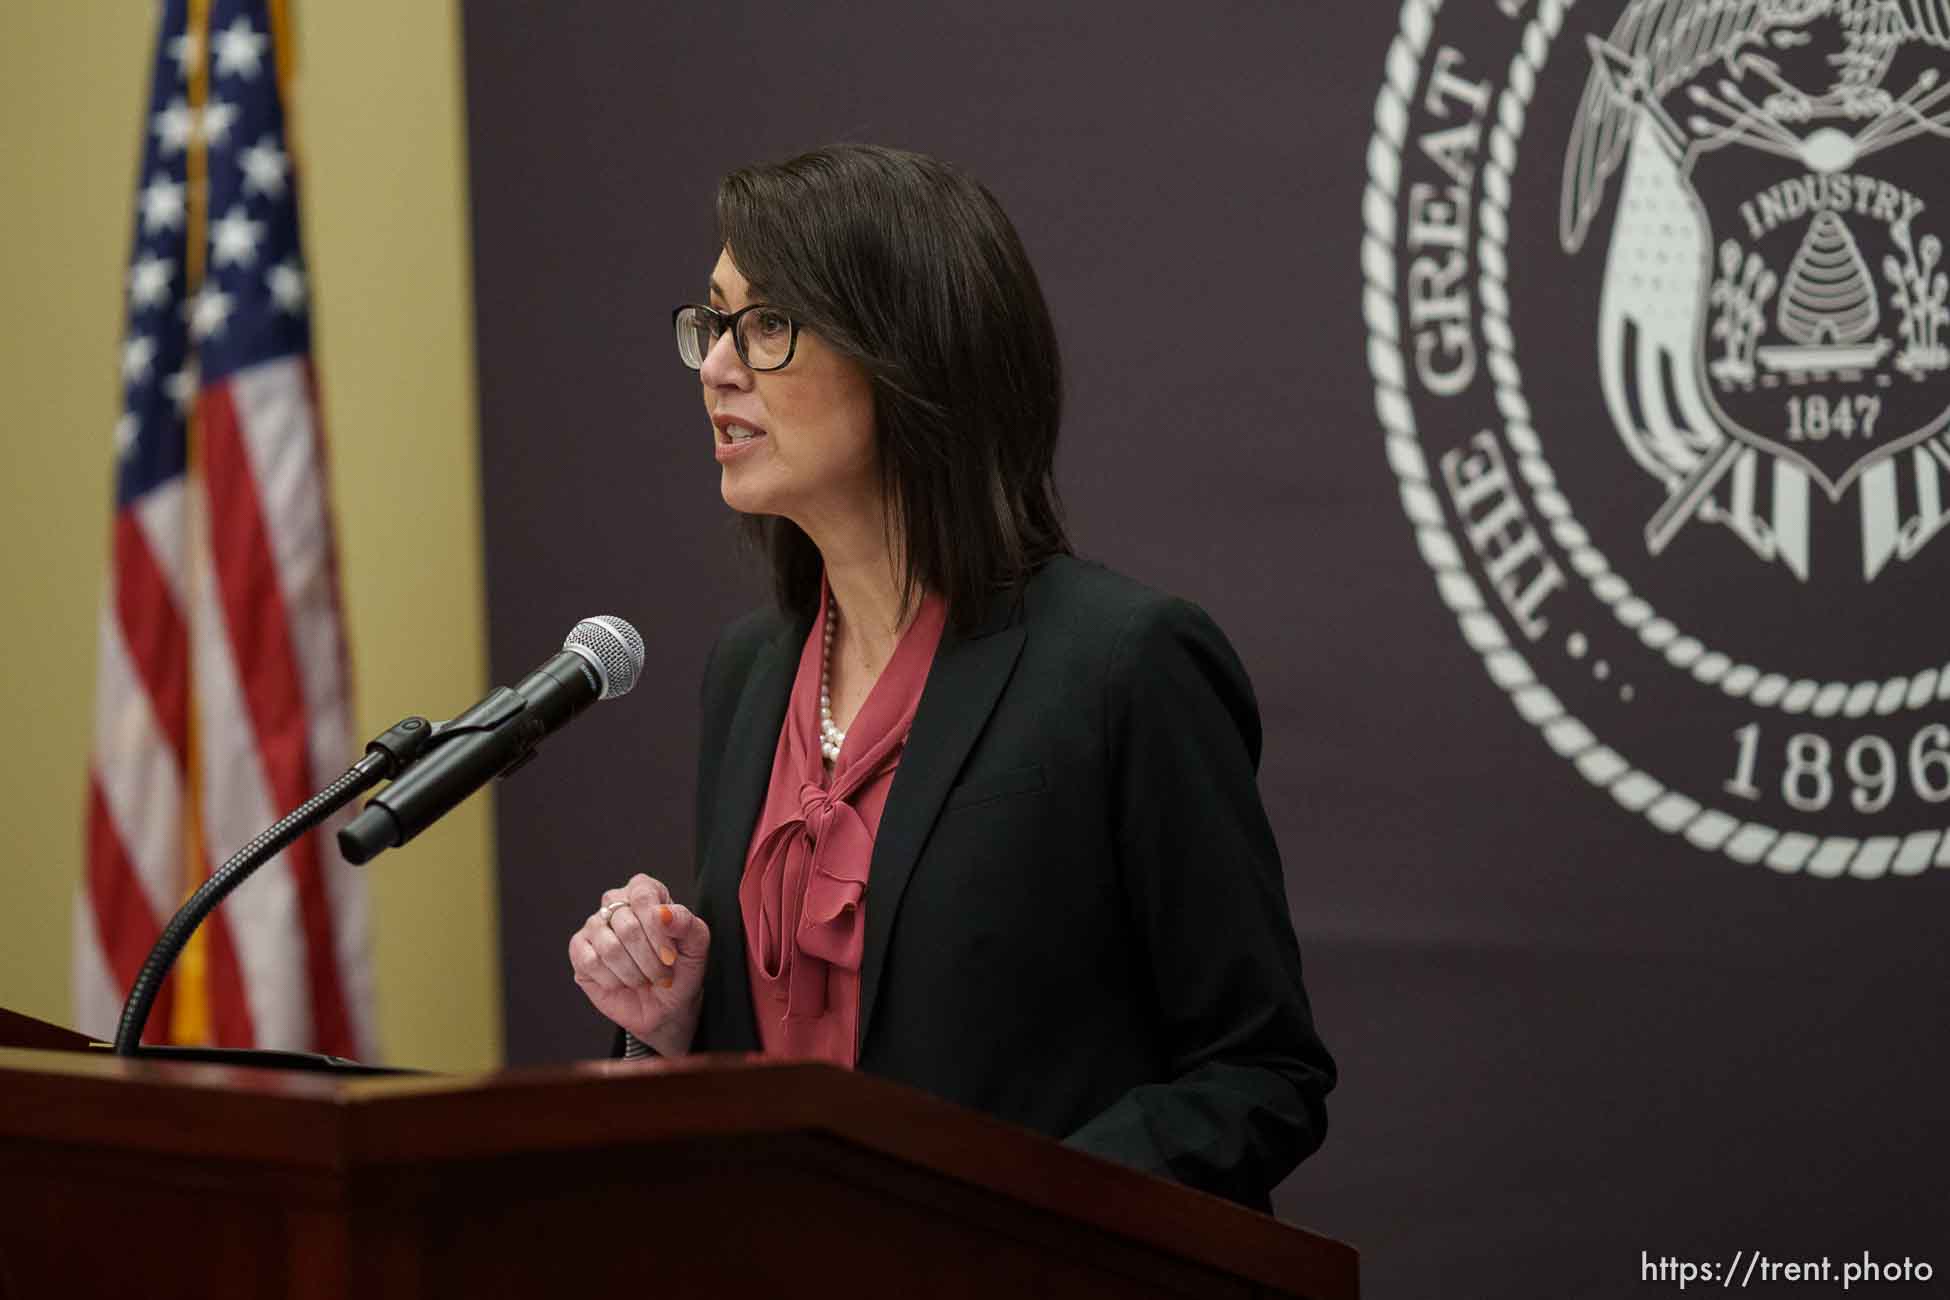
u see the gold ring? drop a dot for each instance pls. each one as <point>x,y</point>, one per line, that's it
<point>611,907</point>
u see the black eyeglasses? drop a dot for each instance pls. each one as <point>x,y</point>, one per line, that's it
<point>764,335</point>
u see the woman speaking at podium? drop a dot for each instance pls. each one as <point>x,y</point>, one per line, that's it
<point>973,814</point>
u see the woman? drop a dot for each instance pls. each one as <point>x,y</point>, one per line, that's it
<point>973,814</point>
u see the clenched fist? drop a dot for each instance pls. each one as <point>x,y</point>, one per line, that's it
<point>639,959</point>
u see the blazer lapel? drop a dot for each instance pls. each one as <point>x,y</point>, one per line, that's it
<point>963,685</point>
<point>745,774</point>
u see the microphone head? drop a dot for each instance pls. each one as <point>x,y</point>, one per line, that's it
<point>613,648</point>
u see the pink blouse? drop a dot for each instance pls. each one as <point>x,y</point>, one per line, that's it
<point>803,891</point>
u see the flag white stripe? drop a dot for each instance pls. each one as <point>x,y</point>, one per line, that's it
<point>159,516</point>
<point>137,772</point>
<point>97,1001</point>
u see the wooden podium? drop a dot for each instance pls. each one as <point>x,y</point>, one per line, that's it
<point>717,1176</point>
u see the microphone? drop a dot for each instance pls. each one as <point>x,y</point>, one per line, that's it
<point>600,660</point>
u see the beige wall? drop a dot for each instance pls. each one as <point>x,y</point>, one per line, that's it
<point>382,143</point>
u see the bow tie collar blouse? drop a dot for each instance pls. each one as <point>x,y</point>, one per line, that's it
<point>803,894</point>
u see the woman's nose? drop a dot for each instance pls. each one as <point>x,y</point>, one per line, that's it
<point>723,367</point>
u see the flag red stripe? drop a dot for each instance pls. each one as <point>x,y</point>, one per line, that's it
<point>321,461</point>
<point>153,628</point>
<point>260,636</point>
<point>124,925</point>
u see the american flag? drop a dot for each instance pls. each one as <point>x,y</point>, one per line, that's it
<point>222,694</point>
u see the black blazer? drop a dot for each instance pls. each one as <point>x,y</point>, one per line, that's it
<point>1076,917</point>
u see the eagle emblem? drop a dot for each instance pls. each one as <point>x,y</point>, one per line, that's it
<point>1774,330</point>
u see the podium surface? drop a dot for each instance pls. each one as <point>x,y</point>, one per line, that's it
<point>703,1176</point>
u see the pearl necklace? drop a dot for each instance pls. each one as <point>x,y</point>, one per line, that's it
<point>830,736</point>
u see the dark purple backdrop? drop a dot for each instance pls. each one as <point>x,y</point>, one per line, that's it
<point>1566,1036</point>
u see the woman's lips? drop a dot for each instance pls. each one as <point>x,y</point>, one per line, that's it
<point>732,442</point>
<point>730,426</point>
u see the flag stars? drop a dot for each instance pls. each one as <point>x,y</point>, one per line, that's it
<point>239,50</point>
<point>233,239</point>
<point>208,312</point>
<point>186,50</point>
<point>137,356</point>
<point>181,387</point>
<point>162,206</point>
<point>126,431</point>
<point>265,168</point>
<point>218,117</point>
<point>149,282</point>
<point>178,124</point>
<point>175,126</point>
<point>286,281</point>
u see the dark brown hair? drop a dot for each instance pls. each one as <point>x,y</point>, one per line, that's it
<point>911,268</point>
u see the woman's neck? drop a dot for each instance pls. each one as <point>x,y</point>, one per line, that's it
<point>871,620</point>
<point>866,575</point>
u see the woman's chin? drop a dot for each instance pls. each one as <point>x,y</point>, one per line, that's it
<point>745,497</point>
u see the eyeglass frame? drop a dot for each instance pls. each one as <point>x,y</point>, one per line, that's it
<point>728,324</point>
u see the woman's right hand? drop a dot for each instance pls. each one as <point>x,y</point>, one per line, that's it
<point>639,959</point>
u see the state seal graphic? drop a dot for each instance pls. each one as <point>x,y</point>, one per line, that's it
<point>1659,322</point>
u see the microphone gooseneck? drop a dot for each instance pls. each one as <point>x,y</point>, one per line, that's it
<point>432,768</point>
<point>389,754</point>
